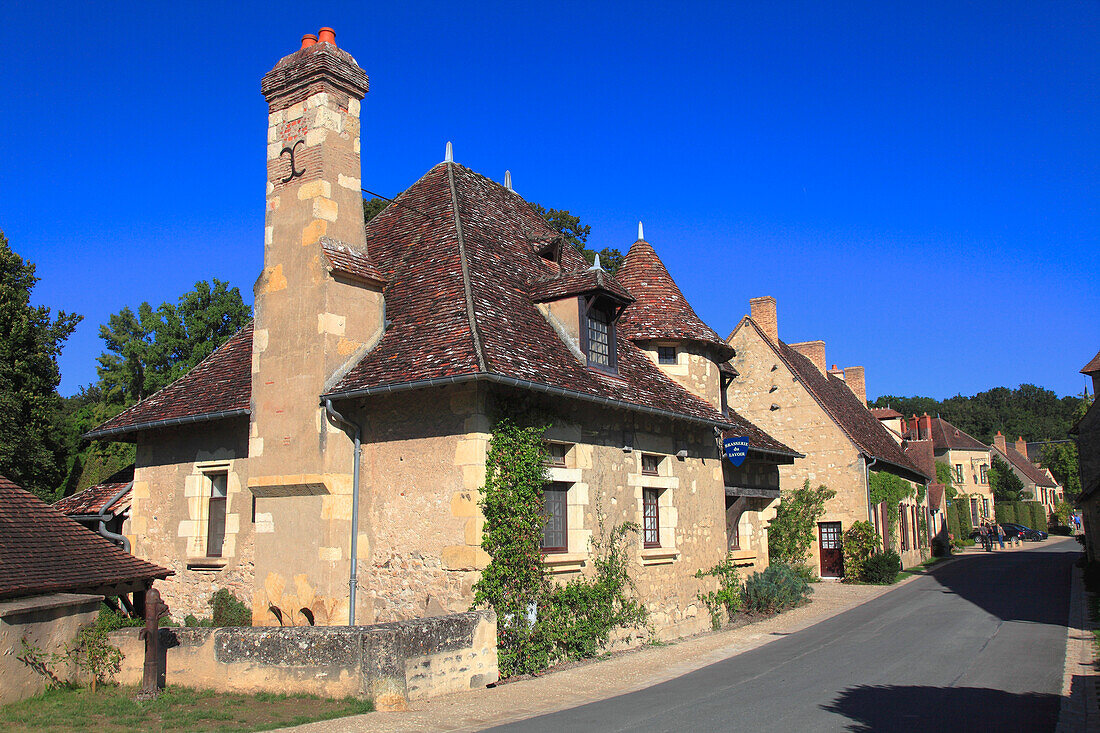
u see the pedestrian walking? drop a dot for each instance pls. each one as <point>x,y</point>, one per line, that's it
<point>1000,535</point>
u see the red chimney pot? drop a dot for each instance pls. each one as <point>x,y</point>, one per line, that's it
<point>308,40</point>
<point>326,35</point>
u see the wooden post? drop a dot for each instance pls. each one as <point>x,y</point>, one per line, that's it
<point>154,610</point>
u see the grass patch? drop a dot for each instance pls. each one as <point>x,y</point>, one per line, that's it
<point>919,569</point>
<point>113,709</point>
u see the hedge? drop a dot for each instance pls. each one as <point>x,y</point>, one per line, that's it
<point>1004,511</point>
<point>953,520</point>
<point>965,525</point>
<point>1039,512</point>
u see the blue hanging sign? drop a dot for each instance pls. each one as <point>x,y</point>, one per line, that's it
<point>736,449</point>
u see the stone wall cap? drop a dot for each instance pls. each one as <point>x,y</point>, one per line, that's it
<point>45,602</point>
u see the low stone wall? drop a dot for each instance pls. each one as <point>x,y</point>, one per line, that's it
<point>389,663</point>
<point>48,623</point>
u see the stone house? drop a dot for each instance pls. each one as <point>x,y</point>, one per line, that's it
<point>53,576</point>
<point>788,391</point>
<point>1087,431</point>
<point>326,461</point>
<point>966,456</point>
<point>1039,484</point>
<point>103,508</point>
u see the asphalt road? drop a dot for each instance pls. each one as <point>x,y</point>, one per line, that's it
<point>976,645</point>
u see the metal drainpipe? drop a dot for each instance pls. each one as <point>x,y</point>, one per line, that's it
<point>353,577</point>
<point>103,518</point>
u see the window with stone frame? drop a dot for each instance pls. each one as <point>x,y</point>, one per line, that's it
<point>557,453</point>
<point>651,518</point>
<point>651,464</point>
<point>903,515</point>
<point>555,531</point>
<point>598,332</point>
<point>959,472</point>
<point>666,354</point>
<point>985,473</point>
<point>215,512</point>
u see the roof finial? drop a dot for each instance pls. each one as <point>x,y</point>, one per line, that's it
<point>596,265</point>
<point>640,235</point>
<point>450,155</point>
<point>508,180</point>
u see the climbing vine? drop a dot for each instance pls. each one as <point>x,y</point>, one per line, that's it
<point>793,531</point>
<point>886,487</point>
<point>726,600</point>
<point>860,541</point>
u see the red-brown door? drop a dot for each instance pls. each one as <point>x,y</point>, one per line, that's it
<point>832,553</point>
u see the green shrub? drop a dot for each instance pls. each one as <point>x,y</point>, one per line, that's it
<point>1061,529</point>
<point>1040,513</point>
<point>726,601</point>
<point>953,520</point>
<point>860,542</point>
<point>776,589</point>
<point>228,610</point>
<point>882,569</point>
<point>1004,511</point>
<point>940,547</point>
<point>794,530</point>
<point>805,571</point>
<point>965,525</point>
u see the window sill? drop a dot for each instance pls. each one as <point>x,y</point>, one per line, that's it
<point>207,564</point>
<point>660,555</point>
<point>564,562</point>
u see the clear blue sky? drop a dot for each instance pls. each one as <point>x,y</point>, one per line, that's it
<point>916,183</point>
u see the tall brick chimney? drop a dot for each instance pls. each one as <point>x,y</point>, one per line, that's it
<point>914,428</point>
<point>308,324</point>
<point>999,442</point>
<point>925,427</point>
<point>854,378</point>
<point>814,351</point>
<point>1021,446</point>
<point>762,311</point>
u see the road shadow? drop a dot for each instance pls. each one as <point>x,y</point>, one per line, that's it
<point>1007,584</point>
<point>905,708</point>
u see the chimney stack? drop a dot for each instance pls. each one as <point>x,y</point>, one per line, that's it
<point>926,427</point>
<point>762,311</point>
<point>914,430</point>
<point>814,351</point>
<point>1021,446</point>
<point>999,442</point>
<point>854,378</point>
<point>838,373</point>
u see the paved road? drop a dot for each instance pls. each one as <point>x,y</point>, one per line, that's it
<point>976,645</point>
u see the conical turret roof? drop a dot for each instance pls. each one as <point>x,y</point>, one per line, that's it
<point>660,310</point>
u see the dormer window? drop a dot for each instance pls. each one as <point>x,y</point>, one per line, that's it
<point>598,332</point>
<point>666,354</point>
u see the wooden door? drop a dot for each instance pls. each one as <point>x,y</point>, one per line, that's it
<point>832,553</point>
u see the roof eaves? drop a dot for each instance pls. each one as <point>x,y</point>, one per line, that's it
<point>166,423</point>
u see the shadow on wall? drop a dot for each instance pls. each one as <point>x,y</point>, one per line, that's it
<point>904,708</point>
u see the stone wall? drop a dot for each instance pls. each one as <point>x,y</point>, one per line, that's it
<point>169,512</point>
<point>47,622</point>
<point>390,663</point>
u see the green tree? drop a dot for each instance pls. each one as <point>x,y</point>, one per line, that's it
<point>31,452</point>
<point>150,349</point>
<point>945,476</point>
<point>793,531</point>
<point>372,207</point>
<point>576,233</point>
<point>1061,459</point>
<point>1004,482</point>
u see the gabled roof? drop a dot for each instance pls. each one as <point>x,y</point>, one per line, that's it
<point>843,408</point>
<point>43,551</point>
<point>457,250</point>
<point>885,413</point>
<point>922,454</point>
<point>1026,467</point>
<point>578,282</point>
<point>663,312</point>
<point>948,437</point>
<point>219,386</point>
<point>95,498</point>
<point>1092,366</point>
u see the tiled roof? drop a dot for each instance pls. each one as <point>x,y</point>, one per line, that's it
<point>94,498</point>
<point>935,496</point>
<point>43,551</point>
<point>348,261</point>
<point>1092,366</point>
<point>1029,469</point>
<point>662,311</point>
<point>844,408</point>
<point>577,282</point>
<point>459,301</point>
<point>758,439</point>
<point>220,385</point>
<point>948,437</point>
<point>922,454</point>
<point>885,413</point>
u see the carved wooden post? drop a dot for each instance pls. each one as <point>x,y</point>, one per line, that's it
<point>154,610</point>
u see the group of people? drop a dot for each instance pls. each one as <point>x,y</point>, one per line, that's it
<point>991,532</point>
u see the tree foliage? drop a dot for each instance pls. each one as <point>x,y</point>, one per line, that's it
<point>1034,412</point>
<point>1003,481</point>
<point>31,453</point>
<point>150,349</point>
<point>576,233</point>
<point>860,542</point>
<point>1061,459</point>
<point>372,207</point>
<point>793,531</point>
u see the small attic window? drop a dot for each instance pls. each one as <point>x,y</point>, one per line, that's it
<point>666,354</point>
<point>599,333</point>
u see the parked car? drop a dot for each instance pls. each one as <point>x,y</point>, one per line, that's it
<point>1026,533</point>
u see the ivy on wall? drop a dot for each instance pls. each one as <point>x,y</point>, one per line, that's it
<point>886,487</point>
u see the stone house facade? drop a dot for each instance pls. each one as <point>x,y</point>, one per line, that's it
<point>788,391</point>
<point>1087,431</point>
<point>325,462</point>
<point>966,456</point>
<point>1039,484</point>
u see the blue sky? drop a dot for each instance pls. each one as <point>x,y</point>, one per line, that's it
<point>916,184</point>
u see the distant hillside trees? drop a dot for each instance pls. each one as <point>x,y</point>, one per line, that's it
<point>31,453</point>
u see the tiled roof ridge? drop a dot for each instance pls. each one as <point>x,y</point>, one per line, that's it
<point>942,423</point>
<point>1092,366</point>
<point>470,314</point>
<point>1029,468</point>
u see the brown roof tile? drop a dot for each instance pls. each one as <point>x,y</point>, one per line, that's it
<point>347,261</point>
<point>661,311</point>
<point>935,496</point>
<point>43,551</point>
<point>1029,469</point>
<point>92,499</point>
<point>219,386</point>
<point>578,282</point>
<point>922,454</point>
<point>1092,366</point>
<point>948,437</point>
<point>884,413</point>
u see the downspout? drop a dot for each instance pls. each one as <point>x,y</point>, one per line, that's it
<point>353,576</point>
<point>102,514</point>
<point>867,481</point>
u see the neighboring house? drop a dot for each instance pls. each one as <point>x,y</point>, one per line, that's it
<point>327,459</point>
<point>1039,484</point>
<point>966,456</point>
<point>103,508</point>
<point>1087,431</point>
<point>53,576</point>
<point>787,391</point>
